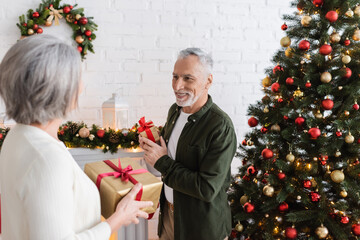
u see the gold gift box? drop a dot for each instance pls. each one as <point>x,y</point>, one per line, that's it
<point>155,132</point>
<point>112,189</point>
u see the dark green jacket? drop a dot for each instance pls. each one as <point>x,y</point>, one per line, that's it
<point>200,175</point>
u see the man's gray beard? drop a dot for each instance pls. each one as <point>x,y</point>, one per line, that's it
<point>190,101</point>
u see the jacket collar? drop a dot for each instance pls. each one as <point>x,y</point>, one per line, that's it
<point>196,116</point>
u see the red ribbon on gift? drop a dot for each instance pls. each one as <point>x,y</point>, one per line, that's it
<point>145,126</point>
<point>125,174</point>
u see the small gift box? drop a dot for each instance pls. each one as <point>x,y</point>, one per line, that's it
<point>114,182</point>
<point>148,130</point>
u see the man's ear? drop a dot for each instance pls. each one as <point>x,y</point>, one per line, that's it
<point>209,81</point>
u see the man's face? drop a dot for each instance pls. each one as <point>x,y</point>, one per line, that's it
<point>189,80</point>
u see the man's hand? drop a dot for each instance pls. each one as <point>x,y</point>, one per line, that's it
<point>152,151</point>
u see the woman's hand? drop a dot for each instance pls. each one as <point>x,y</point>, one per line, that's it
<point>128,210</point>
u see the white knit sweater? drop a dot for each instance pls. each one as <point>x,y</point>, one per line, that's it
<point>44,193</point>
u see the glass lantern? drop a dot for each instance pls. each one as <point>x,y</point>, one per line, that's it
<point>115,113</point>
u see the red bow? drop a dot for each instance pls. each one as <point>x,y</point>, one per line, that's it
<point>145,126</point>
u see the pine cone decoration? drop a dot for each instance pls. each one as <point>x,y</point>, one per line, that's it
<point>70,18</point>
<point>73,128</point>
<point>114,138</point>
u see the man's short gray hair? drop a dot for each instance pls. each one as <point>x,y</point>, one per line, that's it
<point>39,79</point>
<point>204,57</point>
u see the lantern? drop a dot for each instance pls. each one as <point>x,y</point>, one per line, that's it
<point>115,113</point>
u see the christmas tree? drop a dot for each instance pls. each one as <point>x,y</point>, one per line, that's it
<point>300,177</point>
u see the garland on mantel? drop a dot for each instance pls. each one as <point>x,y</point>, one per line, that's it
<point>78,135</point>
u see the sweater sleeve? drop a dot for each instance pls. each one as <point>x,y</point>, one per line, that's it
<point>48,198</point>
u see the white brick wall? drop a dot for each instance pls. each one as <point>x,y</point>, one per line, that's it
<point>138,41</point>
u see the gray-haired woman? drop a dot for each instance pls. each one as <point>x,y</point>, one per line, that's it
<point>45,195</point>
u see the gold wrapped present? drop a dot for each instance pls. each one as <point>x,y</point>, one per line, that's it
<point>148,130</point>
<point>115,178</point>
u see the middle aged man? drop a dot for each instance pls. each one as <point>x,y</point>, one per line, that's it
<point>195,160</point>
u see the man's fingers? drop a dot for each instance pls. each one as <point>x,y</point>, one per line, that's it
<point>162,142</point>
<point>149,142</point>
<point>144,204</point>
<point>135,190</point>
<point>143,214</point>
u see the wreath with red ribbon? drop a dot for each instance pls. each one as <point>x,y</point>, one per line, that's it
<point>50,11</point>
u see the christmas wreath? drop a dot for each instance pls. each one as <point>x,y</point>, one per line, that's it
<point>50,11</point>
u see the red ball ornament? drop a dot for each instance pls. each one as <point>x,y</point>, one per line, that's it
<point>83,20</point>
<point>325,49</point>
<point>283,207</point>
<point>87,33</point>
<point>66,9</point>
<point>24,24</point>
<point>35,27</point>
<point>246,178</point>
<point>1,136</point>
<point>75,22</point>
<point>264,130</point>
<point>39,30</point>
<point>248,207</point>
<point>332,16</point>
<point>327,104</point>
<point>79,48</point>
<point>318,3</point>
<point>348,73</point>
<point>100,133</point>
<point>338,133</point>
<point>307,184</point>
<point>290,233</point>
<point>252,122</point>
<point>347,42</point>
<point>275,87</point>
<point>299,121</point>
<point>244,142</point>
<point>314,133</point>
<point>289,81</point>
<point>62,132</point>
<point>71,7</point>
<point>284,27</point>
<point>280,100</point>
<point>315,197</point>
<point>277,68</point>
<point>355,106</point>
<point>304,45</point>
<point>286,117</point>
<point>308,84</point>
<point>35,15</point>
<point>251,170</point>
<point>89,39</point>
<point>281,175</point>
<point>345,220</point>
<point>355,228</point>
<point>267,153</point>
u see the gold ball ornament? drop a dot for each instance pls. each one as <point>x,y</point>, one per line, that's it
<point>290,157</point>
<point>289,52</point>
<point>346,113</point>
<point>266,109</point>
<point>356,35</point>
<point>79,39</point>
<point>337,176</point>
<point>275,128</point>
<point>318,114</point>
<point>84,132</point>
<point>346,59</point>
<point>306,20</point>
<point>239,227</point>
<point>337,153</point>
<point>244,199</point>
<point>48,23</point>
<point>285,41</point>
<point>325,77</point>
<point>349,13</point>
<point>340,88</point>
<point>335,37</point>
<point>30,31</point>
<point>357,11</point>
<point>268,190</point>
<point>266,82</point>
<point>349,138</point>
<point>77,16</point>
<point>343,193</point>
<point>322,232</point>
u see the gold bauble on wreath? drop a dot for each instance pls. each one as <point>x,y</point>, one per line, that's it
<point>335,37</point>
<point>349,138</point>
<point>322,232</point>
<point>306,20</point>
<point>266,82</point>
<point>244,199</point>
<point>84,132</point>
<point>356,35</point>
<point>357,11</point>
<point>239,227</point>
<point>268,190</point>
<point>79,39</point>
<point>290,157</point>
<point>285,41</point>
<point>346,59</point>
<point>337,176</point>
<point>343,194</point>
<point>289,52</point>
<point>48,23</point>
<point>30,31</point>
<point>325,77</point>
